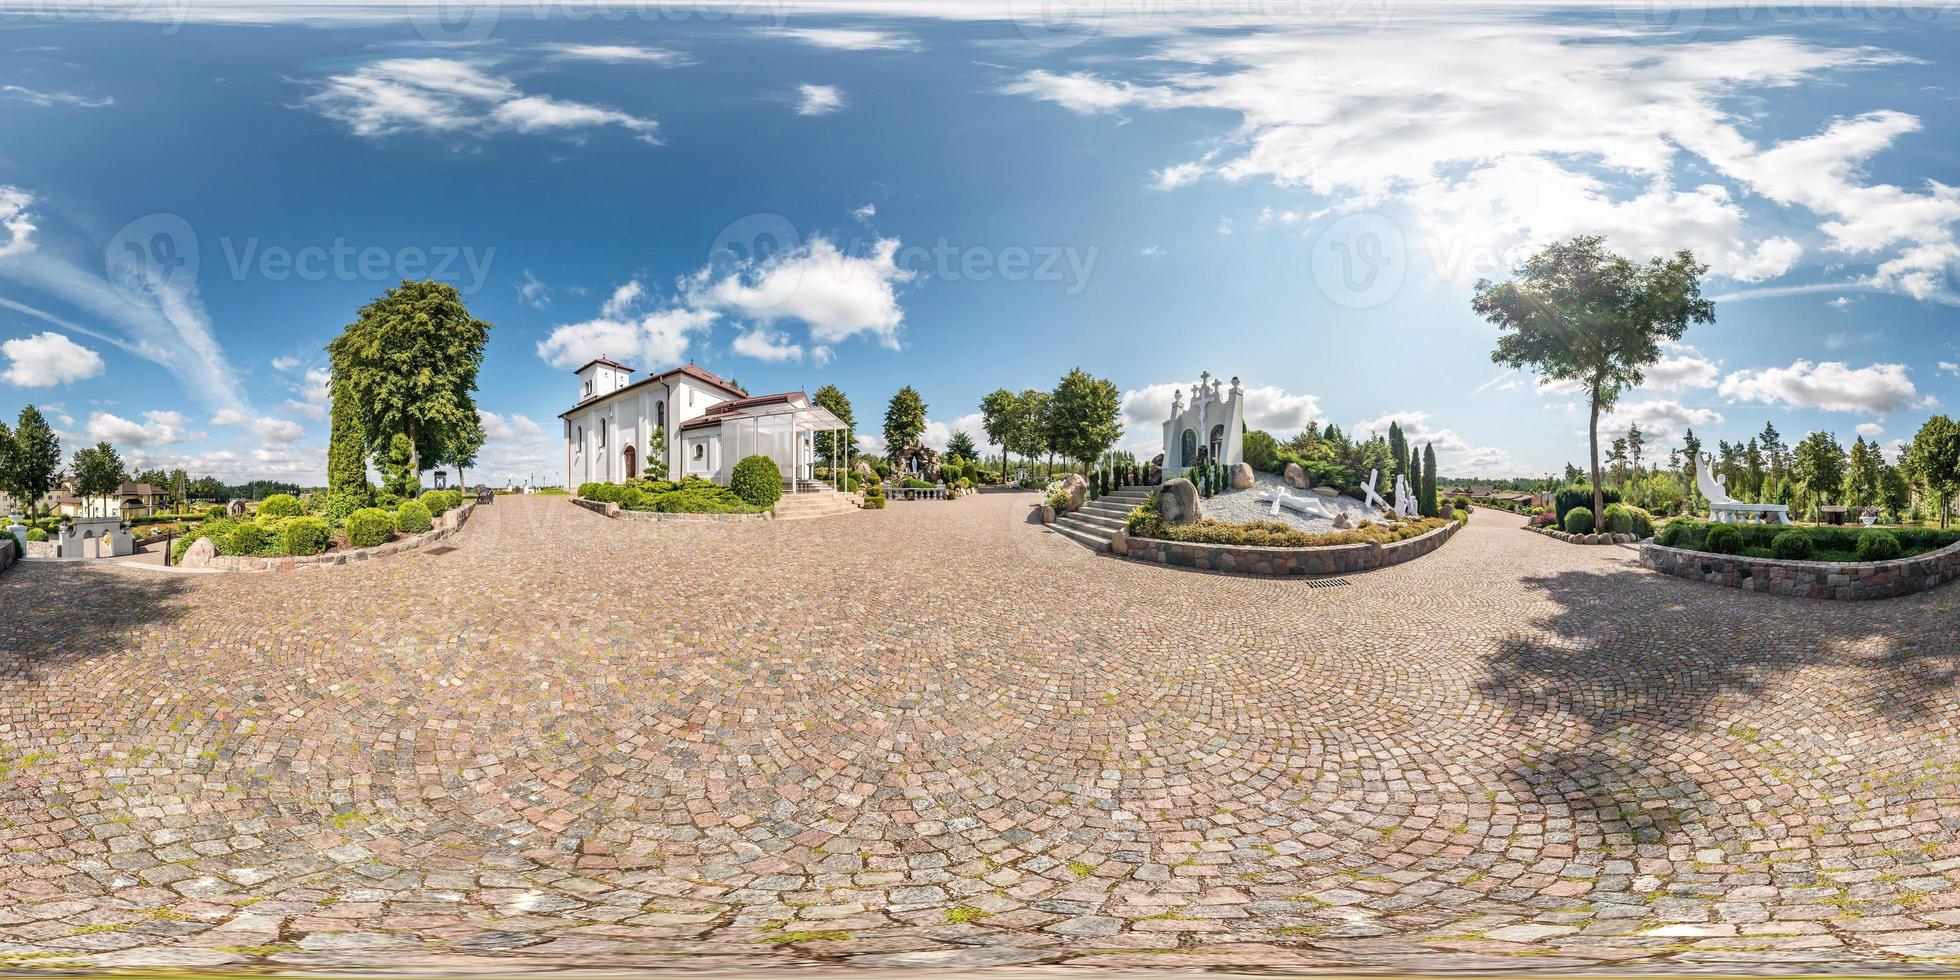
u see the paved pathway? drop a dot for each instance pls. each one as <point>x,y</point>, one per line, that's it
<point>939,734</point>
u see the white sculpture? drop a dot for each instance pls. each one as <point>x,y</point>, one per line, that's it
<point>1405,498</point>
<point>1212,426</point>
<point>1310,506</point>
<point>1370,497</point>
<point>1727,509</point>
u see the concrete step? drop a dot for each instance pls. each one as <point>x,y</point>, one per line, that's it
<point>1107,521</point>
<point>1089,539</point>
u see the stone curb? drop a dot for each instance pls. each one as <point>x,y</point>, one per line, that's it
<point>1844,581</point>
<point>446,525</point>
<point>619,513</point>
<point>1569,538</point>
<point>1340,559</point>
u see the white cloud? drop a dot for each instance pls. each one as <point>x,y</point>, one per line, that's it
<point>156,429</point>
<point>1950,368</point>
<point>821,355</point>
<point>619,54</point>
<point>515,449</point>
<point>48,359</point>
<point>284,363</point>
<point>265,428</point>
<point>1416,427</point>
<point>1681,366</point>
<point>314,399</point>
<point>767,344</point>
<point>853,39</point>
<point>1830,386</point>
<point>865,213</point>
<point>838,296</point>
<point>15,221</point>
<point>938,433</point>
<point>1224,225</point>
<point>532,292</point>
<point>34,97</point>
<point>1584,129</point>
<point>1660,420</point>
<point>1151,251</point>
<point>817,100</point>
<point>649,341</point>
<point>1870,430</point>
<point>1840,304</point>
<point>442,95</point>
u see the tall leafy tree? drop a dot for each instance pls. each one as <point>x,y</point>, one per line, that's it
<point>1817,470</point>
<point>998,414</point>
<point>1426,495</point>
<point>961,445</point>
<point>1863,475</point>
<point>36,459</point>
<point>99,471</point>
<point>1895,493</point>
<point>1030,435</point>
<point>1774,450</point>
<point>905,420</point>
<point>1616,459</point>
<point>1933,462</point>
<point>834,450</point>
<point>347,450</point>
<point>1636,445</point>
<point>398,472</point>
<point>409,364</point>
<point>1084,416</point>
<point>8,452</point>
<point>1398,447</point>
<point>1578,312</point>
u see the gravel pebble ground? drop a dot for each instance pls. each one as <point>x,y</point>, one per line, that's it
<point>1242,506</point>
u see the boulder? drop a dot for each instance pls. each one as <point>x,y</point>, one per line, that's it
<point>1047,514</point>
<point>200,554</point>
<point>1177,502</point>
<point>1341,521</point>
<point>864,470</point>
<point>1241,476</point>
<point>1327,491</point>
<point>1295,476</point>
<point>1119,543</point>
<point>1077,487</point>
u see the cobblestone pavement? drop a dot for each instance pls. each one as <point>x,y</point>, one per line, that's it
<point>938,735</point>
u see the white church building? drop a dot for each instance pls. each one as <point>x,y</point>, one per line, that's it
<point>1212,427</point>
<point>707,423</point>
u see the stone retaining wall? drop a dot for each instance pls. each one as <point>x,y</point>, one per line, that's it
<point>619,513</point>
<point>7,552</point>
<point>1340,559</point>
<point>1849,581</point>
<point>446,525</point>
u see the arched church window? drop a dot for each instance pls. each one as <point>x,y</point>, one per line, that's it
<point>1217,441</point>
<point>1188,446</point>
<point>602,433</point>
<point>700,452</point>
<point>660,414</point>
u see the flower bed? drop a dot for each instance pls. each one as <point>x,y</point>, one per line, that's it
<point>448,524</point>
<point>1813,579</point>
<point>1330,559</point>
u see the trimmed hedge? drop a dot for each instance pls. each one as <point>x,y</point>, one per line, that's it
<point>1877,545</point>
<point>413,518</point>
<point>1723,539</point>
<point>1826,543</point>
<point>1578,495</point>
<point>757,481</point>
<point>280,505</point>
<point>1578,520</point>
<point>369,526</point>
<point>305,536</point>
<point>1791,545</point>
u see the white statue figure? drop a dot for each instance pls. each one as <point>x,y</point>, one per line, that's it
<point>1368,494</point>
<point>1727,509</point>
<point>1405,498</point>
<point>1310,506</point>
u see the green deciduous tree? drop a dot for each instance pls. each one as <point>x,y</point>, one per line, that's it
<point>905,420</point>
<point>1029,435</point>
<point>99,471</point>
<point>1083,416</point>
<point>835,451</point>
<point>409,364</point>
<point>1933,462</point>
<point>1817,471</point>
<point>999,412</point>
<point>34,462</point>
<point>1577,312</point>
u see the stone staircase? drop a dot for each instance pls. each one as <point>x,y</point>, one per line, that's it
<point>1099,519</point>
<point>815,500</point>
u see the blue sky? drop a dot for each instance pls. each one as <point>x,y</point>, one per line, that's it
<point>196,196</point>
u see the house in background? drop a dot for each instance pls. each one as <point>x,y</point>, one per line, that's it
<point>706,424</point>
<point>131,500</point>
